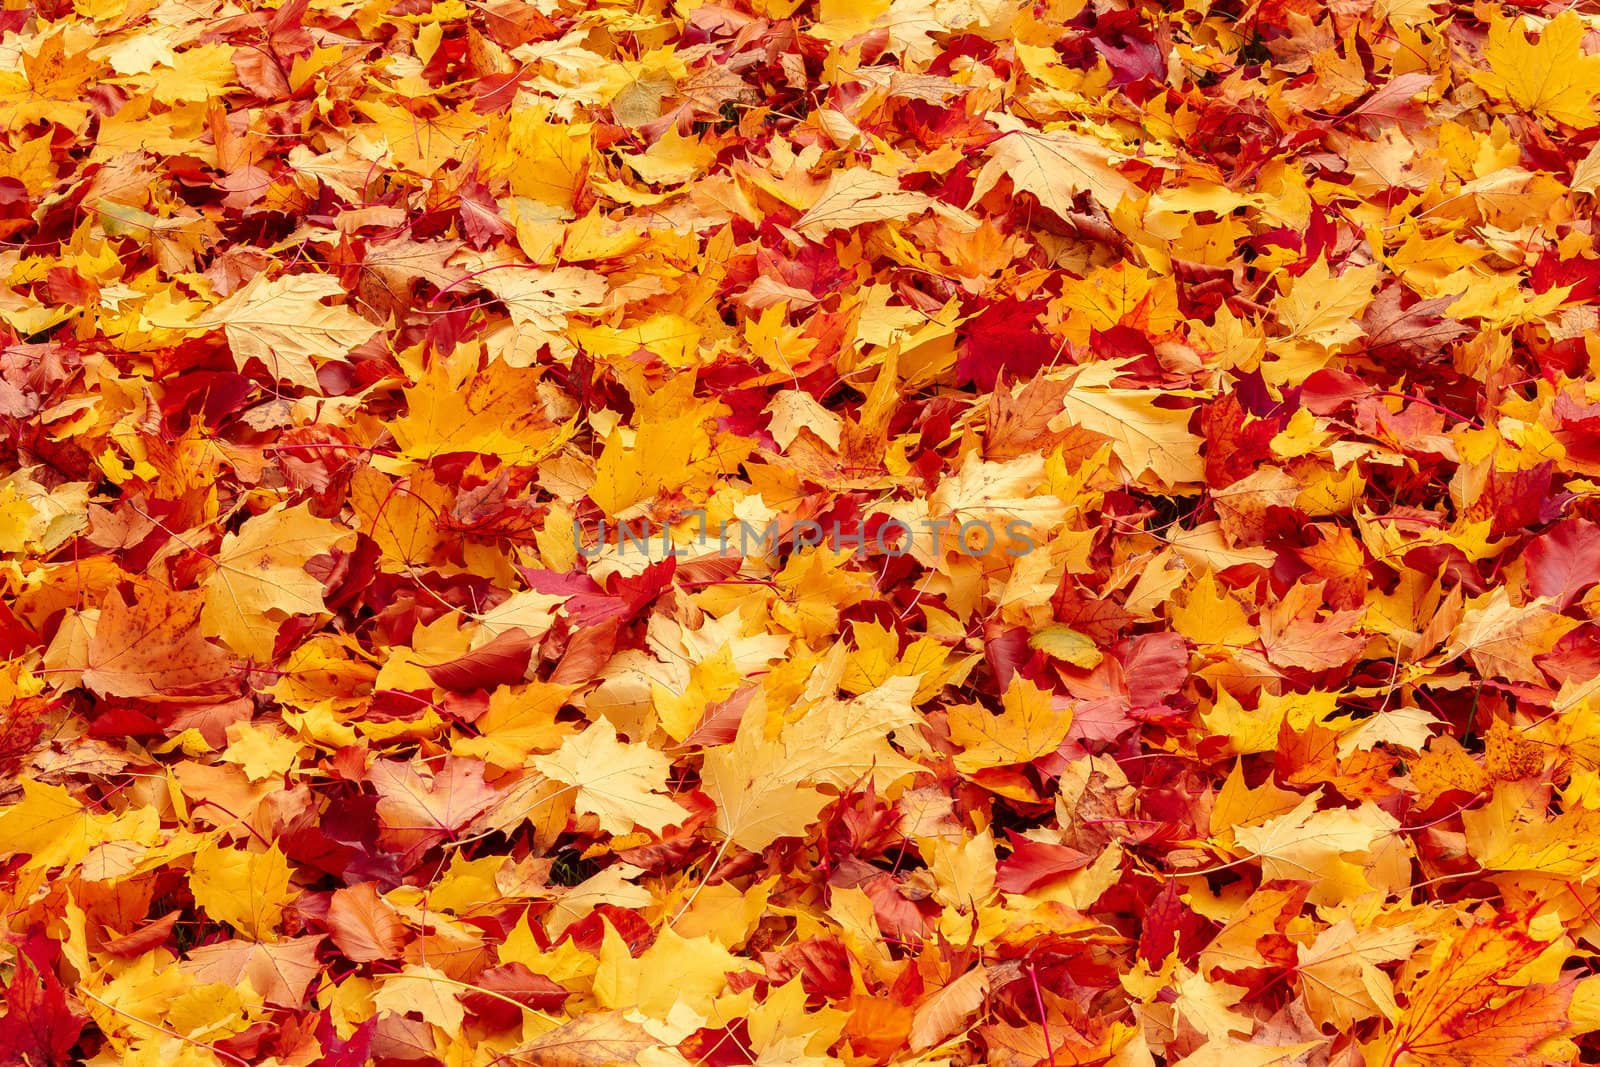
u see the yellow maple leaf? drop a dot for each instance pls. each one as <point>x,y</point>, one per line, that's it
<point>545,161</point>
<point>51,826</point>
<point>1054,166</point>
<point>1147,438</point>
<point>1321,307</point>
<point>1067,645</point>
<point>1553,78</point>
<point>1239,805</point>
<point>1339,973</point>
<point>425,990</point>
<point>710,680</point>
<point>1344,853</point>
<point>261,578</point>
<point>1028,727</point>
<point>623,784</point>
<point>496,411</point>
<point>666,447</point>
<point>878,658</point>
<point>247,890</point>
<point>402,517</point>
<point>674,970</point>
<point>520,721</point>
<point>285,325</point>
<point>672,337</point>
<point>260,750</point>
<point>856,197</point>
<point>1501,639</point>
<point>1210,615</point>
<point>764,787</point>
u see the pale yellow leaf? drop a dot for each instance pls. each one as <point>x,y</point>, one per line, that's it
<point>1053,166</point>
<point>285,325</point>
<point>1149,439</point>
<point>623,784</point>
<point>1554,77</point>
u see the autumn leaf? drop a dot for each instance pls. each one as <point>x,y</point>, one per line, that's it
<point>1344,853</point>
<point>281,971</point>
<point>38,1025</point>
<point>598,1037</point>
<point>1054,166</point>
<point>51,826</point>
<point>420,809</point>
<point>1502,639</point>
<point>1324,308</point>
<point>853,199</point>
<point>150,644</point>
<point>261,578</point>
<point>496,411</point>
<point>1342,973</point>
<point>625,785</point>
<point>284,325</point>
<point>943,1013</point>
<point>1467,1008</point>
<point>363,926</point>
<point>425,990</point>
<point>765,791</point>
<point>1028,727</point>
<point>1147,438</point>
<point>1552,77</point>
<point>248,890</point>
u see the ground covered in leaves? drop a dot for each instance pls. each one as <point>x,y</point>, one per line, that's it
<point>1195,405</point>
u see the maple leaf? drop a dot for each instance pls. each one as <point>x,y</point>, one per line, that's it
<point>454,407</point>
<point>1210,614</point>
<point>261,578</point>
<point>151,645</point>
<point>363,926</point>
<point>1053,166</point>
<point>1564,561</point>
<point>1467,1010</point>
<point>426,990</point>
<point>281,971</point>
<point>518,723</point>
<point>38,1026</point>
<point>419,810</point>
<point>1294,636</point>
<point>625,785</point>
<point>1341,975</point>
<point>763,788</point>
<point>1412,331</point>
<point>944,1011</point>
<point>1030,726</point>
<point>538,300</point>
<point>1147,438</point>
<point>1323,847</point>
<point>51,825</point>
<point>665,451</point>
<point>674,972</point>
<point>1553,77</point>
<point>597,1037</point>
<point>248,890</point>
<point>854,197</point>
<point>284,325</point>
<point>1501,840</point>
<point>1502,639</point>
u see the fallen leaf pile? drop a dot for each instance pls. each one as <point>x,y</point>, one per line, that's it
<point>1109,561</point>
